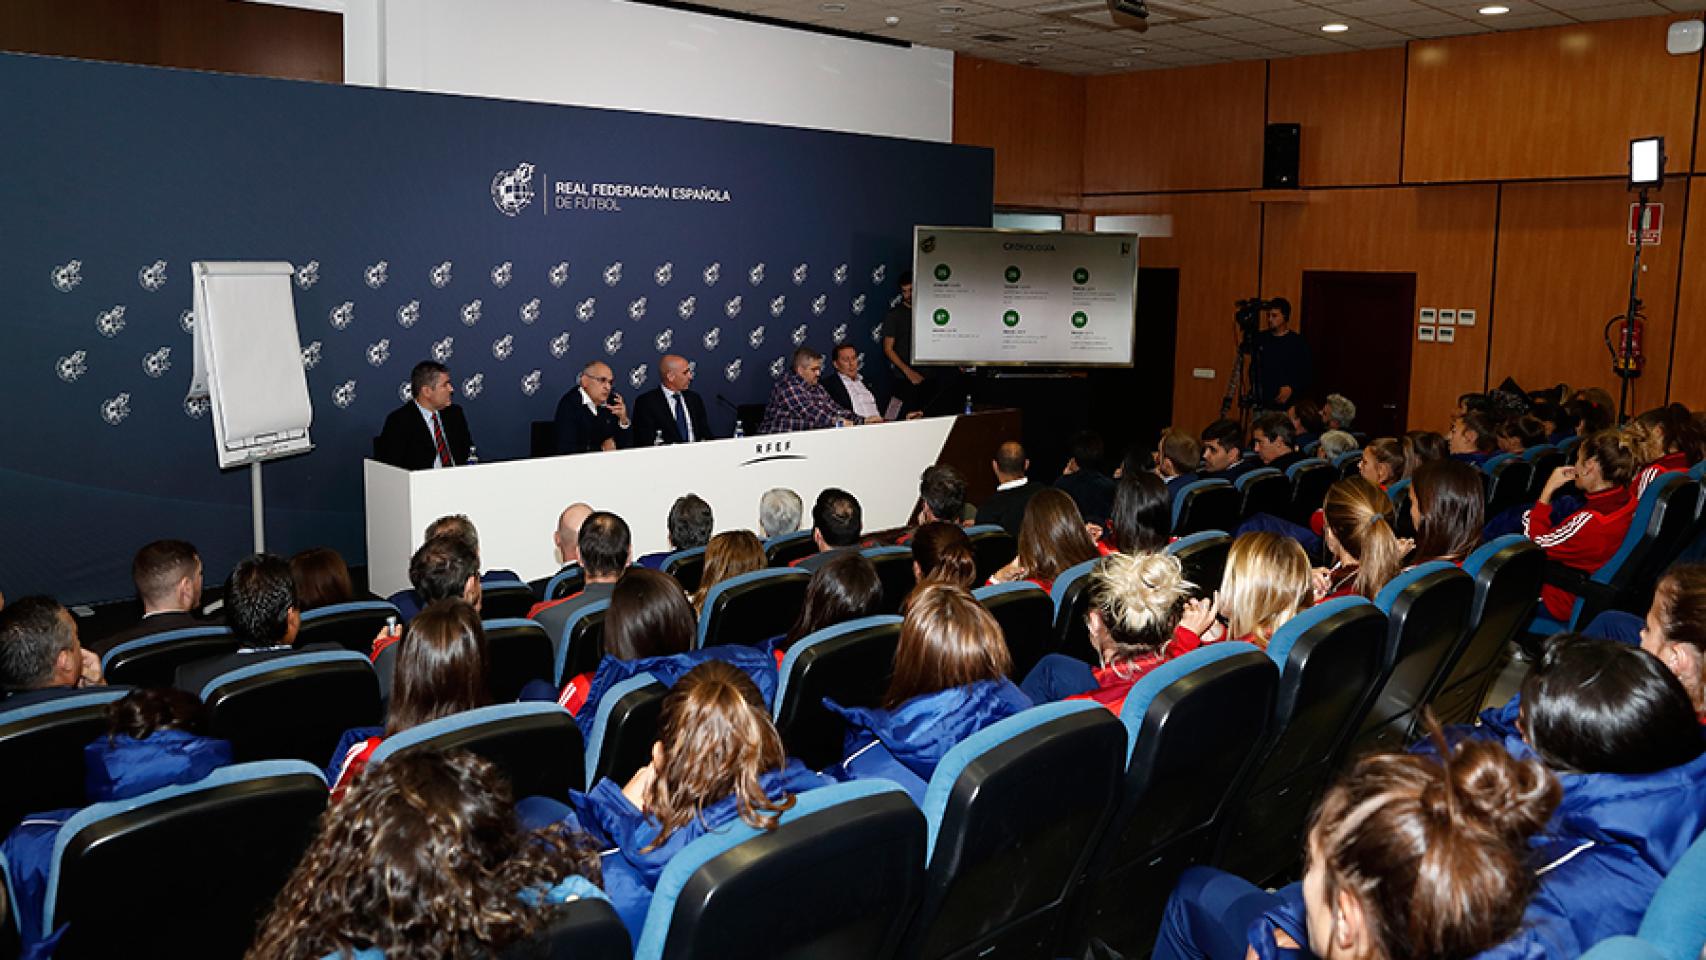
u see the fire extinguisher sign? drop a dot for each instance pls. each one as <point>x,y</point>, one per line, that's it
<point>1649,226</point>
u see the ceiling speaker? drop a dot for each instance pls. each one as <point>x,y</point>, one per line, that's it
<point>1130,13</point>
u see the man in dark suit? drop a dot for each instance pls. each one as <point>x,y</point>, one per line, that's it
<point>261,605</point>
<point>40,656</point>
<point>167,574</point>
<point>1176,460</point>
<point>672,411</point>
<point>591,416</point>
<point>427,432</point>
<point>1275,440</point>
<point>837,523</point>
<point>1083,479</point>
<point>846,387</point>
<point>1013,491</point>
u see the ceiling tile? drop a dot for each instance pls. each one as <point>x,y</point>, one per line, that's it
<point>1417,18</point>
<point>1533,18</point>
<point>1362,35</point>
<point>1302,44</point>
<point>1459,29</point>
<point>1619,11</point>
<point>1249,6</point>
<point>1229,26</point>
<point>1361,8</point>
<point>1690,6</point>
<point>1312,16</point>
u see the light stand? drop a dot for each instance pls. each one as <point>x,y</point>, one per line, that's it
<point>1646,172</point>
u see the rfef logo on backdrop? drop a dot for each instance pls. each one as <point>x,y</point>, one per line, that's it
<point>512,190</point>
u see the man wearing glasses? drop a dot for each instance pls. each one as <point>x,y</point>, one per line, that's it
<point>591,416</point>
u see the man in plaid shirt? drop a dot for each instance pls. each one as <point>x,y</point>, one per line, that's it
<point>799,402</point>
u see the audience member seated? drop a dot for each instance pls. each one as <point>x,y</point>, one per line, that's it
<point>1472,439</point>
<point>1223,452</point>
<point>1406,856</point>
<point>1142,518</point>
<point>1176,459</point>
<point>322,578</point>
<point>261,607</point>
<point>1335,444</point>
<point>849,389</point>
<point>1519,434</point>
<point>1674,629</point>
<point>1307,422</point>
<point>424,858</point>
<point>444,568</point>
<point>779,512</point>
<point>799,402</point>
<point>837,524</point>
<point>843,589</point>
<point>1447,509</point>
<point>440,670</point>
<point>1420,446</point>
<point>1083,479</point>
<point>1051,540</point>
<point>1588,415</point>
<point>167,574</point>
<point>565,540</point>
<point>604,547</point>
<point>949,682</point>
<point>1339,411</point>
<point>1140,615</point>
<point>1275,441</point>
<point>941,553</point>
<point>1586,539</point>
<point>459,526</point>
<point>1384,462</point>
<point>1013,490</point>
<point>154,740</point>
<point>729,554</point>
<point>1557,424</point>
<point>40,655</point>
<point>717,757</point>
<point>1266,582</point>
<point>690,525</point>
<point>650,628</point>
<point>941,496</point>
<point>1360,542</point>
<point>1676,442</point>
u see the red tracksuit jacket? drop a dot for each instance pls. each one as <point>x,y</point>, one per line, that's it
<point>1585,540</point>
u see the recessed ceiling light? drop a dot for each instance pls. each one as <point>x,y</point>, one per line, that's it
<point>950,9</point>
<point>1122,63</point>
<point>891,21</point>
<point>1138,50</point>
<point>1039,47</point>
<point>1334,28</point>
<point>1493,11</point>
<point>1051,32</point>
<point>832,7</point>
<point>1027,62</point>
<point>947,28</point>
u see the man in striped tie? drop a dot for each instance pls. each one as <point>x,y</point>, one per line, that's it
<point>427,432</point>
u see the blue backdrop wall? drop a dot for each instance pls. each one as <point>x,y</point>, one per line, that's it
<point>512,241</point>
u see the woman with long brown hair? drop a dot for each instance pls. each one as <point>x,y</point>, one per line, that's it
<point>845,588</point>
<point>440,670</point>
<point>729,554</point>
<point>1052,538</point>
<point>423,858</point>
<point>1447,510</point>
<point>322,578</point>
<point>1365,550</point>
<point>941,553</point>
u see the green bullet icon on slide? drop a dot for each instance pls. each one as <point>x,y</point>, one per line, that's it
<point>1081,275</point>
<point>1010,318</point>
<point>1080,319</point>
<point>942,271</point>
<point>941,317</point>
<point>1012,274</point>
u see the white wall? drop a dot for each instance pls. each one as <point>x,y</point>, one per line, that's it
<point>630,56</point>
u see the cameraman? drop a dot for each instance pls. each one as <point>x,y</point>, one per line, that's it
<point>1283,370</point>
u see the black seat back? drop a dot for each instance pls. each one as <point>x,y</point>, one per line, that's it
<point>992,548</point>
<point>582,644</point>
<point>1203,557</point>
<point>295,707</point>
<point>1264,490</point>
<point>565,583</point>
<point>1507,575</point>
<point>1330,657</point>
<point>1310,480</point>
<point>1508,484</point>
<point>784,550</point>
<point>752,607</point>
<point>1212,506</point>
<point>1543,464</point>
<point>1673,518</point>
<point>583,929</point>
<point>350,625</point>
<point>850,663</point>
<point>894,569</point>
<point>154,661</point>
<point>1427,610</point>
<point>1071,605</point>
<point>517,651</point>
<point>687,567</point>
<point>538,746</point>
<point>505,601</point>
<point>204,860</point>
<point>999,873</point>
<point>1026,615</point>
<point>625,729</point>
<point>42,744</point>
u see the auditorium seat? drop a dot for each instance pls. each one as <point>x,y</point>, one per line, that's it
<point>1399,493</point>
<point>686,566</point>
<point>1568,448</point>
<point>1192,725</point>
<point>1329,659</point>
<point>753,607</point>
<point>1673,518</point>
<point>849,663</point>
<point>788,547</point>
<point>1026,614</point>
<point>11,941</point>
<point>583,929</point>
<point>581,645</point>
<point>351,625</point>
<point>1542,460</point>
<point>894,570</point>
<point>154,661</point>
<point>294,707</point>
<point>1203,557</point>
<point>504,601</point>
<point>619,740</point>
<point>41,750</point>
<point>1507,483</point>
<point>1507,574</point>
<point>1071,595</point>
<point>1427,612</point>
<point>1627,948</point>
<point>837,878</point>
<point>1263,490</point>
<point>1206,505</point>
<point>1310,480</point>
<point>1348,464</point>
<point>1675,922</point>
<point>536,745</point>
<point>186,870</point>
<point>992,547</point>
<point>518,650</point>
<point>565,583</point>
<point>1015,807</point>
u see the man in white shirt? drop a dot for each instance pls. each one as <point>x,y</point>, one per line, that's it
<point>672,413</point>
<point>847,388</point>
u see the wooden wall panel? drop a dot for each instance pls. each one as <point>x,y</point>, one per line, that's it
<point>1351,107</point>
<point>1552,103</point>
<point>1564,261</point>
<point>1444,235</point>
<point>1197,128</point>
<point>1688,368</point>
<point>1033,120</point>
<point>1214,245</point>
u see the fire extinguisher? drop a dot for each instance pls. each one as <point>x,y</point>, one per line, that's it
<point>1623,339</point>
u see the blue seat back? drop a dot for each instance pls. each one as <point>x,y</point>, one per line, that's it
<point>566,582</point>
<point>1427,611</point>
<point>752,607</point>
<point>537,745</point>
<point>1655,536</point>
<point>850,663</point>
<point>1345,464</point>
<point>42,745</point>
<point>619,741</point>
<point>1310,479</point>
<point>1542,460</point>
<point>1266,490</point>
<point>1537,451</point>
<point>1507,573</point>
<point>153,661</point>
<point>1627,948</point>
<point>580,646</point>
<point>850,857</point>
<point>985,831</point>
<point>1071,594</point>
<point>686,566</point>
<point>294,707</point>
<point>518,651</point>
<point>1203,557</point>
<point>351,625</point>
<point>505,600</point>
<point>1025,613</point>
<point>1675,921</point>
<point>788,547</point>
<point>894,569</point>
<point>207,860</point>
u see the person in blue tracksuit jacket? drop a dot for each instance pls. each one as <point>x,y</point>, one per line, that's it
<point>717,758</point>
<point>1618,731</point>
<point>152,743</point>
<point>950,681</point>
